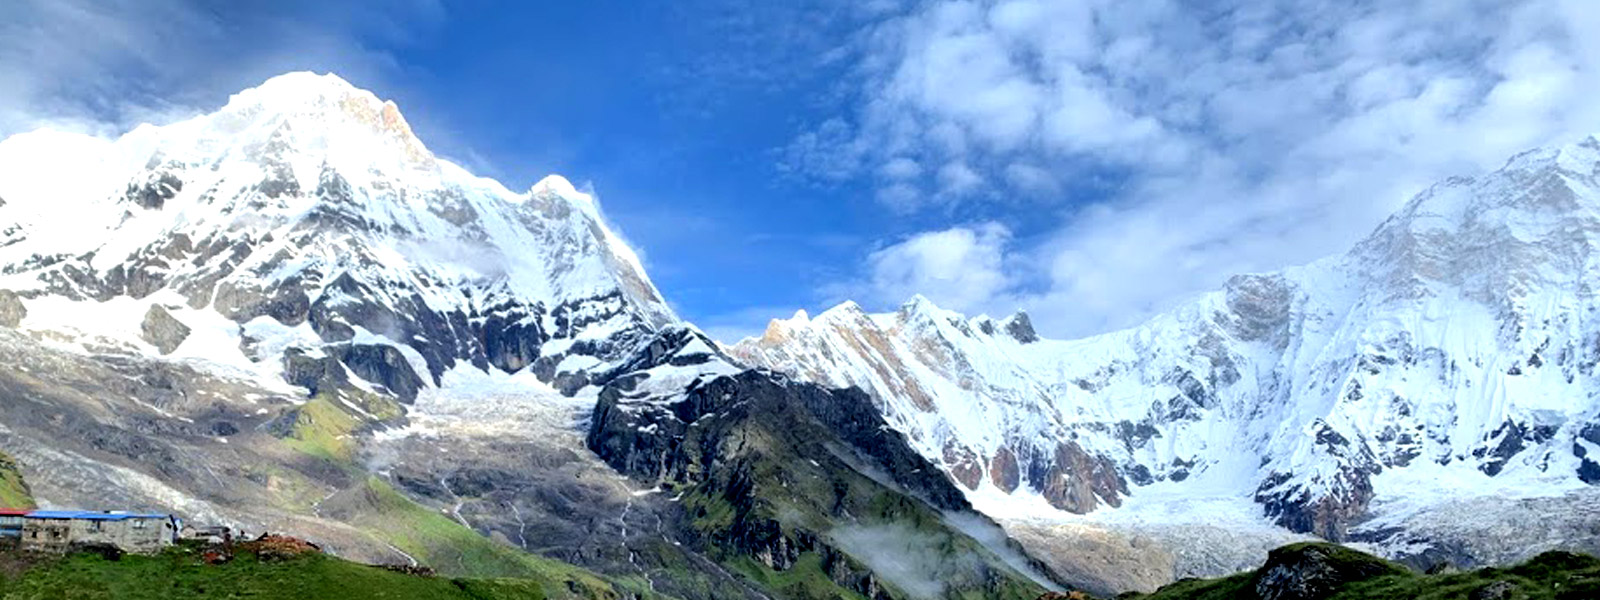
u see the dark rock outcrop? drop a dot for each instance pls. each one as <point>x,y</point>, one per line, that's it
<point>766,467</point>
<point>1325,507</point>
<point>1077,481</point>
<point>1328,515</point>
<point>682,440</point>
<point>1003,470</point>
<point>154,192</point>
<point>313,370</point>
<point>330,367</point>
<point>162,330</point>
<point>242,302</point>
<point>963,465</point>
<point>1020,327</point>
<point>1313,571</point>
<point>381,364</point>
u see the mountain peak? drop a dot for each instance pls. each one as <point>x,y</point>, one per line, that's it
<point>847,310</point>
<point>555,184</point>
<point>302,84</point>
<point>327,104</point>
<point>918,304</point>
<point>1020,327</point>
<point>558,187</point>
<point>315,198</point>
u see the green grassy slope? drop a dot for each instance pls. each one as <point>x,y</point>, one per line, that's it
<point>14,491</point>
<point>326,428</point>
<point>180,575</point>
<point>437,540</point>
<point>1549,576</point>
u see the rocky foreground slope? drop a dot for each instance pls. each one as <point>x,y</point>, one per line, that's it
<point>289,315</point>
<point>1431,393</point>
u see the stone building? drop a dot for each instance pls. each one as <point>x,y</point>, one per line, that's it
<point>59,530</point>
<point>11,521</point>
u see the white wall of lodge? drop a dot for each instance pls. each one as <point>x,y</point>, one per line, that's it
<point>144,534</point>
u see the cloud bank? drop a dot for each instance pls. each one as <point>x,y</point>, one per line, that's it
<point>1169,144</point>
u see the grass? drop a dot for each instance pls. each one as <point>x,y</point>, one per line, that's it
<point>1549,576</point>
<point>711,513</point>
<point>14,492</point>
<point>180,575</point>
<point>326,425</point>
<point>478,568</point>
<point>286,487</point>
<point>324,429</point>
<point>805,580</point>
<point>441,542</point>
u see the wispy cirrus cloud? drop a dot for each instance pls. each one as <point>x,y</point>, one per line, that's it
<point>1220,137</point>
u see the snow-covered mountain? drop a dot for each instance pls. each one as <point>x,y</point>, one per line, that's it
<point>304,221</point>
<point>177,301</point>
<point>1449,356</point>
<point>290,315</point>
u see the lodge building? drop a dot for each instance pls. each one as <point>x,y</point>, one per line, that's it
<point>58,531</point>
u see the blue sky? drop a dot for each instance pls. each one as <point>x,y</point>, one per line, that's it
<point>1092,162</point>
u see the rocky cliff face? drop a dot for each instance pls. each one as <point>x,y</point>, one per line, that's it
<point>1449,355</point>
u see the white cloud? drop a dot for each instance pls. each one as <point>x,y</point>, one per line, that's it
<point>102,66</point>
<point>901,168</point>
<point>1032,180</point>
<point>1240,136</point>
<point>961,268</point>
<point>958,179</point>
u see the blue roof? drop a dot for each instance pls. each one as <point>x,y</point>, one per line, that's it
<point>92,515</point>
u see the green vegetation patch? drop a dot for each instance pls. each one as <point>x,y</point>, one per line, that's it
<point>324,429</point>
<point>445,544</point>
<point>14,492</point>
<point>180,575</point>
<point>805,580</point>
<point>327,425</point>
<point>803,487</point>
<point>1549,576</point>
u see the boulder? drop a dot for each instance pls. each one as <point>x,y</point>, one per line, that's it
<point>1313,571</point>
<point>11,309</point>
<point>162,330</point>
